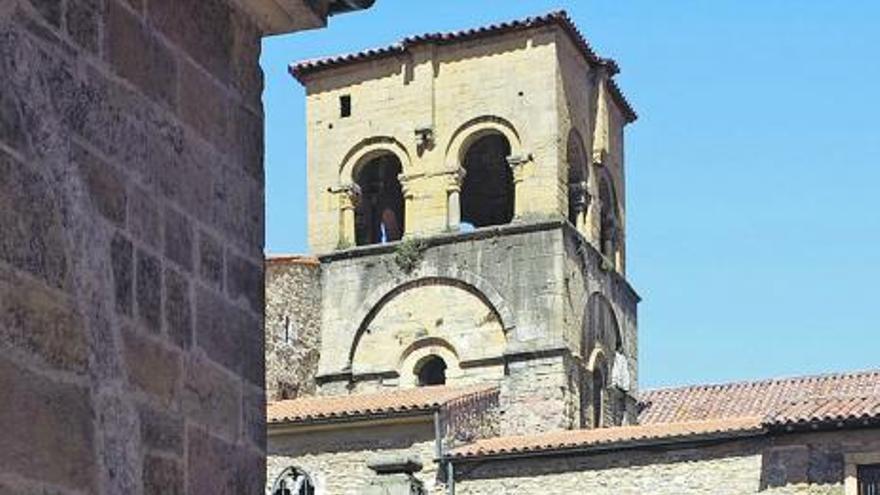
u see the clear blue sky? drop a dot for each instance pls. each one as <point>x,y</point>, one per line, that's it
<point>753,173</point>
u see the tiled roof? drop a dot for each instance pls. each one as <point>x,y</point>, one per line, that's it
<point>759,398</point>
<point>560,18</point>
<point>294,259</point>
<point>398,401</point>
<point>841,410</point>
<point>580,439</point>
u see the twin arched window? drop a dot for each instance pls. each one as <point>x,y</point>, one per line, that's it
<point>379,217</point>
<point>293,481</point>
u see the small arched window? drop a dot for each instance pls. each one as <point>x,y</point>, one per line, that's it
<point>576,160</point>
<point>293,481</point>
<point>379,217</point>
<point>431,371</point>
<point>487,193</point>
<point>598,391</point>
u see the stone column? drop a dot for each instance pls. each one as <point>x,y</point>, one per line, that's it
<point>517,164</point>
<point>349,198</point>
<point>453,199</point>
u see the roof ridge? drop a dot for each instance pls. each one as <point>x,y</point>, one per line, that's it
<point>764,381</point>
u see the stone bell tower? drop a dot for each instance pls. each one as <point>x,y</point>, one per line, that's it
<point>467,206</point>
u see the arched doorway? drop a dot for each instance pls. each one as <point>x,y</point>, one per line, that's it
<point>487,193</point>
<point>379,217</point>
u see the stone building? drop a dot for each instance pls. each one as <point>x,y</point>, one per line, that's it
<point>466,325</point>
<point>131,243</point>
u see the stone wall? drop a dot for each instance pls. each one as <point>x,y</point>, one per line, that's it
<point>792,464</point>
<point>131,234</point>
<point>293,324</point>
<point>337,459</point>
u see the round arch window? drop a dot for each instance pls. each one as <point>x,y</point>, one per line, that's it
<point>431,371</point>
<point>293,481</point>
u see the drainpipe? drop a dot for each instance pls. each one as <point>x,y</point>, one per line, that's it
<point>444,464</point>
<point>343,6</point>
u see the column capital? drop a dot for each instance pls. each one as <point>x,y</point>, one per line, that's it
<point>349,195</point>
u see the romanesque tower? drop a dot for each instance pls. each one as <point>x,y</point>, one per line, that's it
<point>467,212</point>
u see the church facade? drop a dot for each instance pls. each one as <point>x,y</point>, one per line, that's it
<point>466,325</point>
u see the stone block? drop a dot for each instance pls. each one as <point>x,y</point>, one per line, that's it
<point>149,291</point>
<point>179,238</point>
<point>152,368</point>
<point>249,141</point>
<point>138,56</point>
<point>202,28</point>
<point>244,280</point>
<point>11,129</point>
<point>106,186</point>
<point>144,218</point>
<point>218,467</point>
<point>49,432</point>
<point>121,263</point>
<point>161,431</point>
<point>50,10</point>
<point>254,417</point>
<point>31,237</point>
<point>163,476</point>
<point>83,23</point>
<point>39,322</point>
<point>204,106</point>
<point>211,260</point>
<point>178,309</point>
<point>212,398</point>
<point>230,336</point>
<point>247,76</point>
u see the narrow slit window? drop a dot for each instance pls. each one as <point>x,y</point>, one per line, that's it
<point>345,106</point>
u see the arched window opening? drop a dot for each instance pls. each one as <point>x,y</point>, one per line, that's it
<point>598,390</point>
<point>576,158</point>
<point>293,481</point>
<point>379,217</point>
<point>608,236</point>
<point>432,371</point>
<point>487,193</point>
<point>601,327</point>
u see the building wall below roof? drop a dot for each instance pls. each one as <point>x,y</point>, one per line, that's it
<point>792,464</point>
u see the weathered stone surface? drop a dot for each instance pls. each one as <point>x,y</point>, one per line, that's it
<point>39,321</point>
<point>212,398</point>
<point>161,431</point>
<point>178,309</point>
<point>144,218</point>
<point>49,429</point>
<point>49,9</point>
<point>122,264</point>
<point>83,23</point>
<point>218,467</point>
<point>105,184</point>
<point>248,134</point>
<point>204,105</point>
<point>154,71</point>
<point>179,238</point>
<point>28,211</point>
<point>11,127</point>
<point>149,291</point>
<point>202,28</point>
<point>163,476</point>
<point>227,334</point>
<point>253,409</point>
<point>211,260</point>
<point>152,368</point>
<point>244,280</point>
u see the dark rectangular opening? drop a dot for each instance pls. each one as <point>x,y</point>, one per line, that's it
<point>345,106</point>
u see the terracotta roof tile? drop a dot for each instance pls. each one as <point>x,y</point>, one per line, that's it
<point>759,398</point>
<point>560,18</point>
<point>864,409</point>
<point>398,401</point>
<point>579,439</point>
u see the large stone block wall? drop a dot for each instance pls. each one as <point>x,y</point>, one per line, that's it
<point>792,464</point>
<point>293,324</point>
<point>131,235</point>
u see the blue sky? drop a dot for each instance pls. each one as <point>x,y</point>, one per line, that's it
<point>753,173</point>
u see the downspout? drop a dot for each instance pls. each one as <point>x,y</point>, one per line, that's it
<point>445,465</point>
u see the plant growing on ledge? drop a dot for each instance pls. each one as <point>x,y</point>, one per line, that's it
<point>408,254</point>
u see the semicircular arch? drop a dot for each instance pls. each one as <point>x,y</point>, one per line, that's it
<point>474,129</point>
<point>369,148</point>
